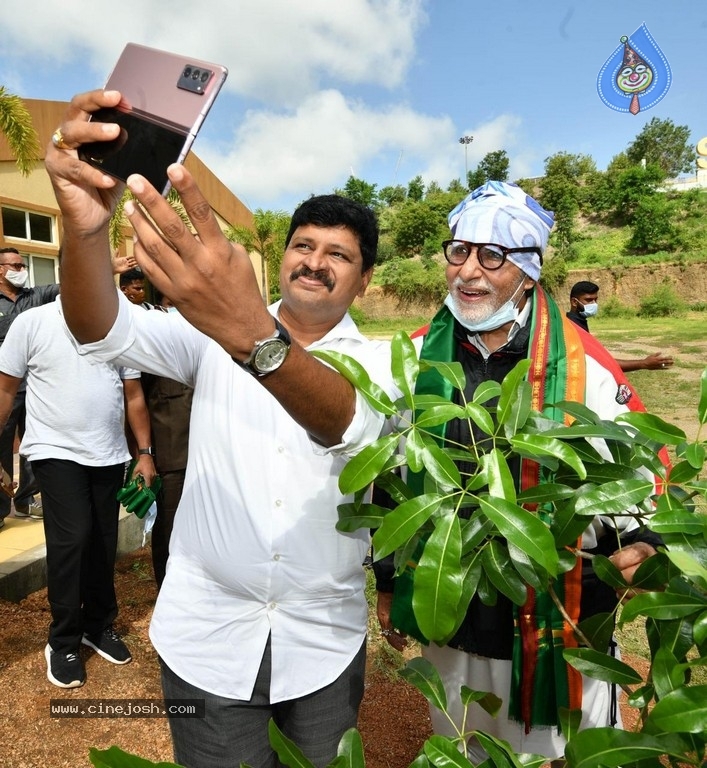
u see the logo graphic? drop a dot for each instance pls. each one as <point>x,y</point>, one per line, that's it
<point>636,76</point>
<point>623,394</point>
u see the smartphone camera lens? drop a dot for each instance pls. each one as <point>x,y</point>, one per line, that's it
<point>195,74</point>
<point>204,77</point>
<point>187,72</point>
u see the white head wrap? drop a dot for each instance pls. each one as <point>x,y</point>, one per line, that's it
<point>502,213</point>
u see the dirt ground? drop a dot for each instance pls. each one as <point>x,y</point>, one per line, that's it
<point>393,720</point>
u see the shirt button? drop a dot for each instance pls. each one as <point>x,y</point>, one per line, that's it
<point>281,449</point>
<point>272,606</point>
<point>276,557</point>
<point>278,502</point>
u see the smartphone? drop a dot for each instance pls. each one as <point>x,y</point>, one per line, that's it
<point>165,98</point>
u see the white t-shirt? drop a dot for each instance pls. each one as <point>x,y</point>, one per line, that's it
<point>74,403</point>
<point>254,550</point>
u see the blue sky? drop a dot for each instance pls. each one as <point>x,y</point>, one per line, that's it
<point>383,89</point>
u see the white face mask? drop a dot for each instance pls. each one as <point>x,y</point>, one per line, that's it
<point>506,313</point>
<point>18,279</point>
<point>589,310</point>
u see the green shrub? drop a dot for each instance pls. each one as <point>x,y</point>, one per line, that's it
<point>612,307</point>
<point>412,280</point>
<point>662,302</point>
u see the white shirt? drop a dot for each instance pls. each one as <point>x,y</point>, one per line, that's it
<point>254,550</point>
<point>75,404</point>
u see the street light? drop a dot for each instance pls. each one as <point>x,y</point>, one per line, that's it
<point>466,140</point>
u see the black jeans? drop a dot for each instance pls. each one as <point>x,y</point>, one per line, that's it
<point>81,531</point>
<point>27,485</point>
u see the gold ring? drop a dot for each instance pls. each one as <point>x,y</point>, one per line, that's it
<point>58,140</point>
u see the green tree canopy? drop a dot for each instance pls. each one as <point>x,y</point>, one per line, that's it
<point>664,144</point>
<point>493,167</point>
<point>360,191</point>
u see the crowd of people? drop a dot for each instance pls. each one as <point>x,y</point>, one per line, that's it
<point>261,611</point>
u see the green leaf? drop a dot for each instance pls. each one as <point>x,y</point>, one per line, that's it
<point>404,365</point>
<point>682,472</point>
<point>481,417</point>
<point>354,372</point>
<point>440,414</point>
<point>695,454</point>
<point>423,675</point>
<point>509,390</point>
<point>489,702</point>
<point>702,407</point>
<point>545,493</point>
<point>613,498</point>
<point>287,751</point>
<point>361,470</point>
<point>535,446</point>
<point>438,464</point>
<point>352,517</point>
<point>351,748</point>
<point>570,720</point>
<point>486,391</point>
<point>666,673</point>
<point>653,427</point>
<point>608,572</point>
<point>402,523</point>
<point>699,629</point>
<point>497,565</point>
<point>443,752</point>
<point>498,475</point>
<point>612,748</point>
<point>661,605</point>
<point>517,414</point>
<point>438,579</point>
<point>689,566</point>
<point>599,630</point>
<point>527,570</point>
<point>683,711</point>
<point>677,522</point>
<point>523,529</point>
<point>601,666</point>
<point>451,371</point>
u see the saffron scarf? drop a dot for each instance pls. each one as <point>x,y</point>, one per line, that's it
<point>542,681</point>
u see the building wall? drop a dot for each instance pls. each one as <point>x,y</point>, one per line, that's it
<point>35,192</point>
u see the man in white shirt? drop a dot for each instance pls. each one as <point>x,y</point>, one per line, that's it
<point>262,612</point>
<point>75,441</point>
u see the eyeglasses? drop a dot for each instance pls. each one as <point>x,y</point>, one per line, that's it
<point>17,265</point>
<point>490,255</point>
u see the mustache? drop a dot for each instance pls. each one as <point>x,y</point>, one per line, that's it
<point>320,274</point>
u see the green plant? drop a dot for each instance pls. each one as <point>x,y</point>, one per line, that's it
<point>453,553</point>
<point>613,307</point>
<point>662,302</point>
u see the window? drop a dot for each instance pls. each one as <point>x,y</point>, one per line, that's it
<point>28,225</point>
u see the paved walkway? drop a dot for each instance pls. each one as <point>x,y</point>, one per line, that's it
<point>23,567</point>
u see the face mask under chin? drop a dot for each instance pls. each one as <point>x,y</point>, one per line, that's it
<point>506,313</point>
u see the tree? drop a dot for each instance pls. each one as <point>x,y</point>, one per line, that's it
<point>392,195</point>
<point>493,167</point>
<point>415,222</point>
<point>664,144</point>
<point>360,191</point>
<point>416,189</point>
<point>267,239</point>
<point>562,192</point>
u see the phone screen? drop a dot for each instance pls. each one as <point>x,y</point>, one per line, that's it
<point>142,147</point>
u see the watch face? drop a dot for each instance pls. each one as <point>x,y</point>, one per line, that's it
<point>270,356</point>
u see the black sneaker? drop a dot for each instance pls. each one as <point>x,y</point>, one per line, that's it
<point>64,669</point>
<point>109,645</point>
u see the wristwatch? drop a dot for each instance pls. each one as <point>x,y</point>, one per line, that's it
<point>145,451</point>
<point>268,354</point>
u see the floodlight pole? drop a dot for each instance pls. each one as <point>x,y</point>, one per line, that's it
<point>466,140</point>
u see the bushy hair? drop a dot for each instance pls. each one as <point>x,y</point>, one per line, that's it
<point>132,274</point>
<point>338,211</point>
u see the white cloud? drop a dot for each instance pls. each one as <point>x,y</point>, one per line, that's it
<point>276,50</point>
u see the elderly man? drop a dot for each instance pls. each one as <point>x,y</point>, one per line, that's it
<point>584,303</point>
<point>262,613</point>
<point>491,320</point>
